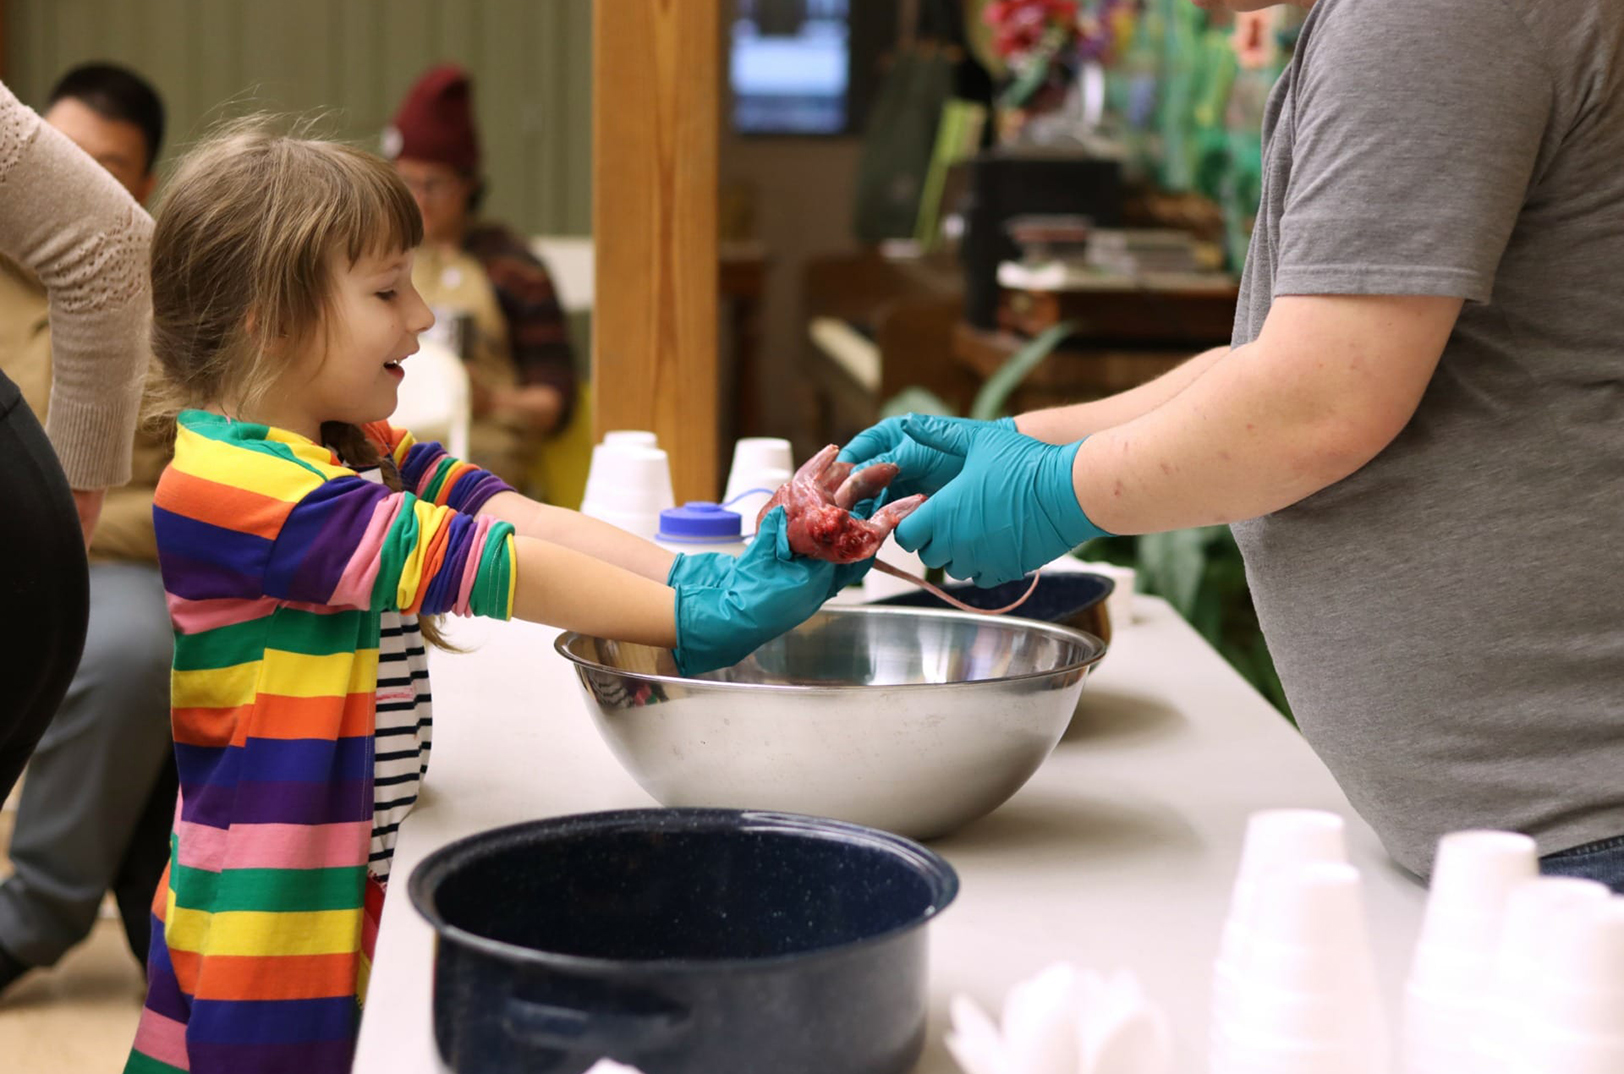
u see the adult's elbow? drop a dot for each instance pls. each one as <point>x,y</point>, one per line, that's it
<point>1338,447</point>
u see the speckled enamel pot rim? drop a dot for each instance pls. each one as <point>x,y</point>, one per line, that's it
<point>1093,650</point>
<point>938,874</point>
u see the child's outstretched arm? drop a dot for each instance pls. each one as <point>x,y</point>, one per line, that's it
<point>429,472</point>
<point>600,540</point>
<point>707,625</point>
<point>565,587</point>
<point>573,530</point>
<point>558,567</point>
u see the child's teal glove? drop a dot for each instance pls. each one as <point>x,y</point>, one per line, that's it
<point>923,469</point>
<point>847,574</point>
<point>714,568</point>
<point>769,591</point>
<point>701,568</point>
<point>1011,509</point>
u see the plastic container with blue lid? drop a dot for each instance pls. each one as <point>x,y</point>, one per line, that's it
<point>700,526</point>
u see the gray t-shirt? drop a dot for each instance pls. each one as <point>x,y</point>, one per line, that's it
<point>1449,620</point>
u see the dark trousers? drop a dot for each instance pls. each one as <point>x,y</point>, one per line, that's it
<point>44,584</point>
<point>135,884</point>
<point>96,804</point>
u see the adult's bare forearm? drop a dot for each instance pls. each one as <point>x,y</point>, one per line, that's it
<point>1327,386</point>
<point>1062,425</point>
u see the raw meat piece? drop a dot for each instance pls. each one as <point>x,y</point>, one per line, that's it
<point>818,500</point>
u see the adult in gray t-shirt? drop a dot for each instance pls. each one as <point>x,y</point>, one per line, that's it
<point>1419,431</point>
<point>1449,620</point>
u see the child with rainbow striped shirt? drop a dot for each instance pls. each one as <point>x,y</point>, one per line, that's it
<point>300,538</point>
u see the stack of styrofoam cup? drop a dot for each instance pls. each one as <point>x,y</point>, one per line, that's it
<point>1276,839</point>
<point>618,440</point>
<point>629,482</point>
<point>1537,914</point>
<point>631,438</point>
<point>1308,1001</point>
<point>759,462</point>
<point>1472,875</point>
<point>1575,1014</point>
<point>599,477</point>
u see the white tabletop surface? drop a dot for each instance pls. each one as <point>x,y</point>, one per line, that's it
<point>1119,852</point>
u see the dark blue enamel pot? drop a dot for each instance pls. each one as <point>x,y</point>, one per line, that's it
<point>681,941</point>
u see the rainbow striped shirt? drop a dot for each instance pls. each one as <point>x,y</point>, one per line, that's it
<point>278,562</point>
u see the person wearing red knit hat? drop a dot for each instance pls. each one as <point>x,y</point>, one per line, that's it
<point>512,332</point>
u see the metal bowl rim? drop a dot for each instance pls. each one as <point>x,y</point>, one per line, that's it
<point>1094,650</point>
<point>423,886</point>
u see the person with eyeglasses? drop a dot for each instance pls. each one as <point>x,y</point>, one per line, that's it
<point>493,297</point>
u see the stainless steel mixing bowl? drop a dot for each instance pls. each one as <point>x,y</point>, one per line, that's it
<point>912,720</point>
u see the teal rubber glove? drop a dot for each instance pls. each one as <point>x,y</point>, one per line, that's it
<point>850,573</point>
<point>715,568</point>
<point>1011,509</point>
<point>701,568</point>
<point>923,468</point>
<point>769,591</point>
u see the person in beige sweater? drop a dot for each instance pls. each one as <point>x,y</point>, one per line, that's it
<point>80,243</point>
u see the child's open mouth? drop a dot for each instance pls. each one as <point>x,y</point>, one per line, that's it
<point>394,369</point>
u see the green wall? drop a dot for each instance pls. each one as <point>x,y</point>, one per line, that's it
<point>354,59</point>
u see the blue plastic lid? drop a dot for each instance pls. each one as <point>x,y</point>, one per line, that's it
<point>699,521</point>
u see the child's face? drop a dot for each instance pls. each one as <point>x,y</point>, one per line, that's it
<point>353,374</point>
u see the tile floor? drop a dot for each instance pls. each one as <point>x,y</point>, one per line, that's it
<point>77,1017</point>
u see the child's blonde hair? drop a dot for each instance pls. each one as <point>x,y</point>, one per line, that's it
<point>241,259</point>
<point>242,266</point>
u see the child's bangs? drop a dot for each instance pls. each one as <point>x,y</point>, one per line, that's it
<point>379,216</point>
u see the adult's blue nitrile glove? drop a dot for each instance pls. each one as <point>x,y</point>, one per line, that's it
<point>1011,509</point>
<point>701,568</point>
<point>922,468</point>
<point>769,591</point>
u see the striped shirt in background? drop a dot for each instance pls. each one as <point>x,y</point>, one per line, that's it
<point>279,563</point>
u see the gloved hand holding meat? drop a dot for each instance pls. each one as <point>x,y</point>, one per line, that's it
<point>818,503</point>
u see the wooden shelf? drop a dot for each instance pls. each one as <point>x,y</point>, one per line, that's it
<point>1195,319</point>
<point>1072,374</point>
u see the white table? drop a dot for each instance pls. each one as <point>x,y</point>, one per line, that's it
<point>1119,852</point>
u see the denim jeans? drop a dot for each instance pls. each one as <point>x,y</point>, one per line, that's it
<point>1602,860</point>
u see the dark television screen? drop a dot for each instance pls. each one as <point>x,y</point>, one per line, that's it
<point>790,67</point>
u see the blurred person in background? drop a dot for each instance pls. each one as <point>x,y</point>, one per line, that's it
<point>493,298</point>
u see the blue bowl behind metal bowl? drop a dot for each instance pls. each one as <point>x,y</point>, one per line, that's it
<point>687,941</point>
<point>1069,598</point>
<point>1061,597</point>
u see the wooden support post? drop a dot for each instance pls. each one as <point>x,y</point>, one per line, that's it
<point>655,85</point>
